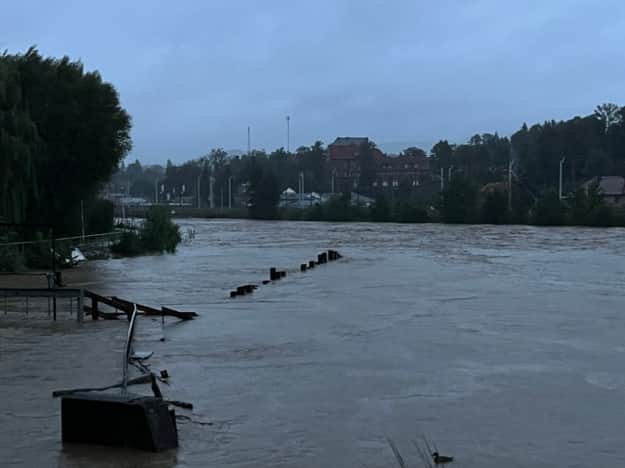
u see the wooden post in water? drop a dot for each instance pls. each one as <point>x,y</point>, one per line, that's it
<point>81,307</point>
<point>94,308</point>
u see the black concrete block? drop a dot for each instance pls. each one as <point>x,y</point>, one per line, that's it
<point>128,420</point>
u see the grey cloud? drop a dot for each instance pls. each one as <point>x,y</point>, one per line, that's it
<point>195,74</point>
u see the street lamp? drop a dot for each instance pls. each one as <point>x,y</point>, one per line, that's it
<point>288,133</point>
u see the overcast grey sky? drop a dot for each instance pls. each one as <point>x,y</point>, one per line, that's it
<point>194,74</point>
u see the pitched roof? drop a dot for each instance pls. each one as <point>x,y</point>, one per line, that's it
<point>350,141</point>
<point>608,185</point>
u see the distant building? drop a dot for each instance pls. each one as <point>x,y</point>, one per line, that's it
<point>611,188</point>
<point>289,198</point>
<point>343,156</point>
<point>403,170</point>
<point>390,172</point>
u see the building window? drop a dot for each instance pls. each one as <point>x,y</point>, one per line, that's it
<point>375,183</point>
<point>395,183</point>
<point>405,166</point>
<point>384,184</point>
<point>415,183</point>
<point>416,166</point>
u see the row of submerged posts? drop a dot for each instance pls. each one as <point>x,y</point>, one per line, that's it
<point>276,275</point>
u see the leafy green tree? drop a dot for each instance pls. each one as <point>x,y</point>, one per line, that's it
<point>312,161</point>
<point>409,212</point>
<point>339,208</point>
<point>413,151</point>
<point>598,163</point>
<point>63,132</point>
<point>442,155</point>
<point>548,210</point>
<point>458,201</point>
<point>20,146</point>
<point>589,209</point>
<point>609,114</point>
<point>99,217</point>
<point>264,193</point>
<point>494,209</point>
<point>366,161</point>
<point>381,210</point>
<point>159,233</point>
<point>142,188</point>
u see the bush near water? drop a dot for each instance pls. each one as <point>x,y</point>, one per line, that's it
<point>158,234</point>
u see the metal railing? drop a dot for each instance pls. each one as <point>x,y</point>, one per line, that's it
<point>50,293</point>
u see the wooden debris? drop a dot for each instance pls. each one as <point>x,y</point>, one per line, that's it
<point>127,307</point>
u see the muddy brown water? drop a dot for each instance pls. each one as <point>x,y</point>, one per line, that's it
<point>504,345</point>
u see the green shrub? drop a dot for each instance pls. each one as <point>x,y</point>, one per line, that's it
<point>100,217</point>
<point>159,233</point>
<point>548,210</point>
<point>458,201</point>
<point>494,209</point>
<point>129,245</point>
<point>11,260</point>
<point>39,254</point>
<point>406,212</point>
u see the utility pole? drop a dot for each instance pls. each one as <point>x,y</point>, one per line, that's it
<point>560,179</point>
<point>449,173</point>
<point>288,134</point>
<point>230,192</point>
<point>211,195</point>
<point>442,179</point>
<point>249,141</point>
<point>156,191</point>
<point>333,174</point>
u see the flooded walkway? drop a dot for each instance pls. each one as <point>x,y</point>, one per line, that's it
<point>505,345</point>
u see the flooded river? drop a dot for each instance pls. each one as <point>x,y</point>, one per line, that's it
<point>504,345</point>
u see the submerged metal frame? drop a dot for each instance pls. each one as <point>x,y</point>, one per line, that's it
<point>128,351</point>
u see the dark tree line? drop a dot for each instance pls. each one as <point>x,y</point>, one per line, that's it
<point>593,145</point>
<point>62,134</point>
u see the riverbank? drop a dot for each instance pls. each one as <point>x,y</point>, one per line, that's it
<point>412,215</point>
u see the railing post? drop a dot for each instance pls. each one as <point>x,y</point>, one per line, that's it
<point>81,308</point>
<point>94,308</point>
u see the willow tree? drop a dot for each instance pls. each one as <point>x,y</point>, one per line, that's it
<point>19,143</point>
<point>63,134</point>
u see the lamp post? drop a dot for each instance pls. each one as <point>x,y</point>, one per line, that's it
<point>288,133</point>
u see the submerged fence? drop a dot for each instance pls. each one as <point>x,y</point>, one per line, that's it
<point>17,254</point>
<point>27,301</point>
